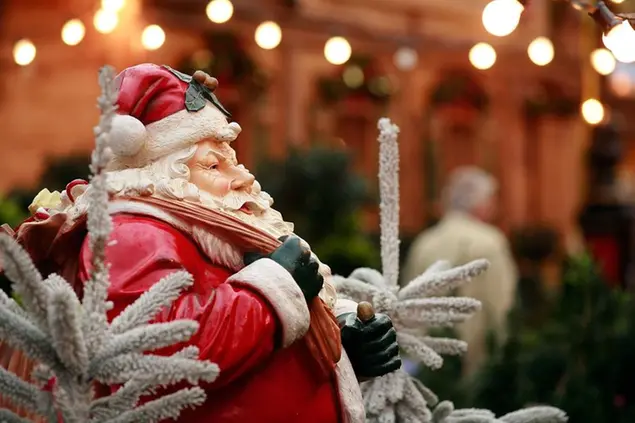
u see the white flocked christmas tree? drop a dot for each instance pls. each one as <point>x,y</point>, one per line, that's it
<point>72,340</point>
<point>419,305</point>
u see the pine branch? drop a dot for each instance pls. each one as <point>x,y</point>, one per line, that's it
<point>126,398</point>
<point>160,370</point>
<point>355,289</point>
<point>11,305</point>
<point>445,346</point>
<point>438,266</point>
<point>369,276</point>
<point>389,203</point>
<point>64,311</point>
<point>7,416</point>
<point>150,337</point>
<point>99,223</point>
<point>411,309</point>
<point>19,392</point>
<point>27,281</point>
<point>169,406</point>
<point>160,295</point>
<point>438,283</point>
<point>417,348</point>
<point>536,415</point>
<point>442,412</point>
<point>25,336</point>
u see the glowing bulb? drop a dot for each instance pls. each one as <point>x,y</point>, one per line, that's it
<point>617,1</point>
<point>603,61</point>
<point>625,53</point>
<point>24,52</point>
<point>152,37</point>
<point>482,56</point>
<point>621,41</point>
<point>406,59</point>
<point>105,21</point>
<point>112,5</point>
<point>219,11</point>
<point>268,35</point>
<point>501,17</point>
<point>540,51</point>
<point>592,111</point>
<point>73,32</point>
<point>337,50</point>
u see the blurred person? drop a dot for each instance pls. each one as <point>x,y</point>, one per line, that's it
<point>465,233</point>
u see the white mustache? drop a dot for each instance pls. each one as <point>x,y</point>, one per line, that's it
<point>235,201</point>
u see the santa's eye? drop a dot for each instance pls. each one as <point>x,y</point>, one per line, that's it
<point>213,167</point>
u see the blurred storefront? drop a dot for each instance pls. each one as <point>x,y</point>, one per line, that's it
<point>414,60</point>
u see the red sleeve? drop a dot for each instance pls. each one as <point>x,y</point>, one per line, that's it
<point>239,324</point>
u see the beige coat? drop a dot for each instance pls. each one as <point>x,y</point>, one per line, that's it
<point>459,239</point>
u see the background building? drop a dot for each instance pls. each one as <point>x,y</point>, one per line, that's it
<point>410,60</point>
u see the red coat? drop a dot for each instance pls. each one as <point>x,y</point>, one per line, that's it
<point>251,325</point>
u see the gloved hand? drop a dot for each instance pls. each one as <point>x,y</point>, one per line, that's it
<point>297,260</point>
<point>371,346</point>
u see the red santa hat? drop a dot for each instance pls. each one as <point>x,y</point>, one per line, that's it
<point>161,110</point>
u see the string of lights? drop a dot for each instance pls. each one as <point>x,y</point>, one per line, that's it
<point>500,18</point>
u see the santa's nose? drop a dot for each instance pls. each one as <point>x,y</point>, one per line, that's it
<point>243,180</point>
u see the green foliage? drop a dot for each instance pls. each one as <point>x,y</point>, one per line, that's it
<point>579,359</point>
<point>11,212</point>
<point>316,190</point>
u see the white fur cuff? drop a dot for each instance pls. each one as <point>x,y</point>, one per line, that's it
<point>274,283</point>
<point>343,306</point>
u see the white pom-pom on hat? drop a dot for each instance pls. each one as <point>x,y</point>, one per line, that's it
<point>127,136</point>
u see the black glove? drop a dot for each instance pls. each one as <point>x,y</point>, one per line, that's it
<point>297,260</point>
<point>372,346</point>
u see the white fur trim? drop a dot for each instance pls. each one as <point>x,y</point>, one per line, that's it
<point>127,135</point>
<point>276,284</point>
<point>349,392</point>
<point>343,306</point>
<point>134,207</point>
<point>185,128</point>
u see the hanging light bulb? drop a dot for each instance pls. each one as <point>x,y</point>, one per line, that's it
<point>592,111</point>
<point>337,50</point>
<point>540,51</point>
<point>268,35</point>
<point>482,56</point>
<point>501,17</point>
<point>406,59</point>
<point>603,61</point>
<point>73,32</point>
<point>113,5</point>
<point>24,52</point>
<point>620,39</point>
<point>219,11</point>
<point>105,21</point>
<point>152,37</point>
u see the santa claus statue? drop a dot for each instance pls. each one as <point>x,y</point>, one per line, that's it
<point>287,349</point>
